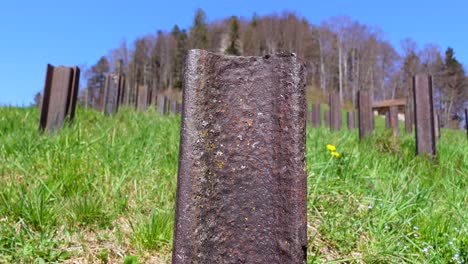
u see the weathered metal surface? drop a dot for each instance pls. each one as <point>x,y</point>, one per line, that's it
<point>365,114</point>
<point>350,118</point>
<point>111,94</point>
<point>326,118</point>
<point>122,90</point>
<point>316,115</point>
<point>437,126</point>
<point>162,104</point>
<point>466,121</point>
<point>241,187</point>
<point>60,94</point>
<point>388,123</point>
<point>424,115</point>
<point>408,120</point>
<point>385,104</point>
<point>173,107</point>
<point>75,86</point>
<point>393,118</point>
<point>335,111</point>
<point>142,97</point>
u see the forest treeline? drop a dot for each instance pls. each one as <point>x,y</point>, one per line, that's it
<point>340,54</point>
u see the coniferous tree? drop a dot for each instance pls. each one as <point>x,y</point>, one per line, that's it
<point>199,31</point>
<point>234,36</point>
<point>180,37</point>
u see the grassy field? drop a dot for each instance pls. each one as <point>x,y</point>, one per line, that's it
<point>102,190</point>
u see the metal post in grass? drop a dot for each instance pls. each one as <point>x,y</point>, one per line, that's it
<point>162,104</point>
<point>408,120</point>
<point>335,111</point>
<point>366,116</point>
<point>388,122</point>
<point>350,119</point>
<point>316,115</point>
<point>326,118</point>
<point>241,185</point>
<point>393,118</point>
<point>466,121</point>
<point>111,94</point>
<point>60,95</point>
<point>424,114</point>
<point>437,126</point>
<point>173,107</point>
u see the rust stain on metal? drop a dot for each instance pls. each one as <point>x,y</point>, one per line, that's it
<point>241,186</point>
<point>365,114</point>
<point>424,115</point>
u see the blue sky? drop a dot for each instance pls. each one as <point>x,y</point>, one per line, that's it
<point>34,33</point>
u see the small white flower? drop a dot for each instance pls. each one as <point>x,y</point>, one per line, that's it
<point>369,207</point>
<point>387,227</point>
<point>415,235</point>
<point>405,247</point>
<point>456,256</point>
<point>415,228</point>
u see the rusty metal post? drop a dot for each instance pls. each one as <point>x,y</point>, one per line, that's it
<point>60,95</point>
<point>75,86</point>
<point>365,114</point>
<point>393,118</point>
<point>179,108</point>
<point>466,121</point>
<point>408,120</point>
<point>142,97</point>
<point>335,111</point>
<point>111,94</point>
<point>437,125</point>
<point>388,122</point>
<point>173,107</point>
<point>241,186</point>
<point>350,119</point>
<point>424,114</point>
<point>316,115</point>
<point>162,104</point>
<point>326,118</point>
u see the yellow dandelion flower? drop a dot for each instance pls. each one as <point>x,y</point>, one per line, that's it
<point>335,154</point>
<point>330,147</point>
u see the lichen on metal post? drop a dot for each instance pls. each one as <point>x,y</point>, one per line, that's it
<point>241,185</point>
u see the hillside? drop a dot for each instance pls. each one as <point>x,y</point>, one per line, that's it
<point>103,189</point>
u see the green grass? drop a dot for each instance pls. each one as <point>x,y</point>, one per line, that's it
<point>103,190</point>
